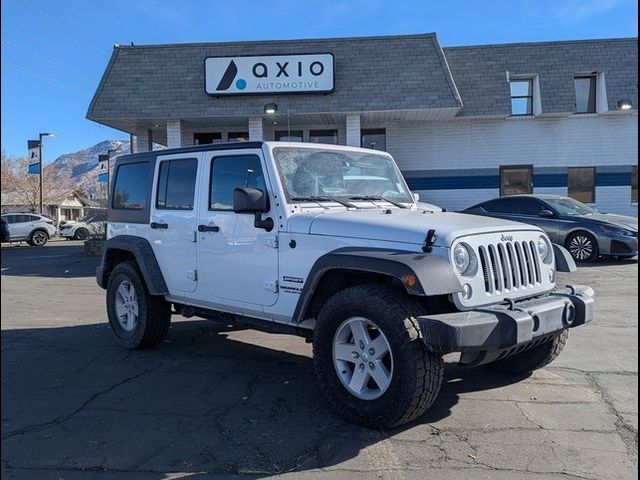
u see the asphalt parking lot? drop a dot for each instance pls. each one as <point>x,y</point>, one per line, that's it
<point>216,401</point>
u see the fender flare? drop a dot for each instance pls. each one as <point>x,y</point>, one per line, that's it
<point>434,275</point>
<point>141,250</point>
<point>564,260</point>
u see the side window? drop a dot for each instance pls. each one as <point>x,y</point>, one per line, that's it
<point>500,206</point>
<point>10,218</point>
<point>581,183</point>
<point>22,218</point>
<point>516,180</point>
<point>129,192</point>
<point>229,173</point>
<point>33,218</point>
<point>176,184</point>
<point>528,206</point>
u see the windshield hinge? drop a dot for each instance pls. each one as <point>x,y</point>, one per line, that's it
<point>429,241</point>
<point>272,242</point>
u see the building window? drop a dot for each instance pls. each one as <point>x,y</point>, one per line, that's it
<point>516,180</point>
<point>127,191</point>
<point>289,136</point>
<point>375,138</point>
<point>238,136</point>
<point>634,184</point>
<point>585,86</point>
<point>229,173</point>
<point>521,97</point>
<point>581,184</point>
<point>324,136</point>
<point>176,184</point>
<point>206,138</point>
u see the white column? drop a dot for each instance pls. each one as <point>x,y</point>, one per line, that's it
<point>142,141</point>
<point>353,130</point>
<point>174,133</point>
<point>256,129</point>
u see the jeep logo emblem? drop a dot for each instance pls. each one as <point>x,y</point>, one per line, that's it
<point>506,238</point>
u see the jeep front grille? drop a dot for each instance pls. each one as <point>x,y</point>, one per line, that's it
<point>509,266</point>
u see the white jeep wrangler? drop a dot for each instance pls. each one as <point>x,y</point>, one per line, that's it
<point>328,243</point>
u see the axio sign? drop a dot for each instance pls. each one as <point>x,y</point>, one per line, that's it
<point>268,74</point>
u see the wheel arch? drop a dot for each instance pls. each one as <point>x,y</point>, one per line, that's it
<point>346,267</point>
<point>123,248</point>
<point>574,230</point>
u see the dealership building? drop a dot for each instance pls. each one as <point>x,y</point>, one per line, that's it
<point>465,124</point>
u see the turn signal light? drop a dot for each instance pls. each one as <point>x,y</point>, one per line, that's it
<point>409,280</point>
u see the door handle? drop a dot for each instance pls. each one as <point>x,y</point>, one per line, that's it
<point>208,228</point>
<point>159,225</point>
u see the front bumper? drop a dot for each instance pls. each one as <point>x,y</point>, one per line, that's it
<point>484,334</point>
<point>619,245</point>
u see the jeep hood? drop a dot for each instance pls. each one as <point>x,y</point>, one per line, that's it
<point>404,226</point>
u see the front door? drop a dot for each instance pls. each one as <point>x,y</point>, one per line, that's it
<point>237,262</point>
<point>172,228</point>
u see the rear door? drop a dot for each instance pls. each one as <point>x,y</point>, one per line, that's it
<point>173,220</point>
<point>22,226</point>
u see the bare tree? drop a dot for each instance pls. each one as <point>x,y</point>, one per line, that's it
<point>24,188</point>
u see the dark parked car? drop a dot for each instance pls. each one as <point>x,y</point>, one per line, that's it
<point>582,229</point>
<point>5,231</point>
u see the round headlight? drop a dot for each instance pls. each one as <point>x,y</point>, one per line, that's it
<point>464,259</point>
<point>544,249</point>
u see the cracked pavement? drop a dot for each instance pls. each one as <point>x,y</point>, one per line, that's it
<point>217,401</point>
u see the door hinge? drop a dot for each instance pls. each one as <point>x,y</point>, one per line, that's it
<point>195,236</point>
<point>271,285</point>
<point>192,275</point>
<point>272,242</point>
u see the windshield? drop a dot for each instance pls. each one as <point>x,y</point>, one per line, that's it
<point>311,172</point>
<point>569,206</point>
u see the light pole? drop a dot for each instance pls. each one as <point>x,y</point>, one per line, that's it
<point>40,135</point>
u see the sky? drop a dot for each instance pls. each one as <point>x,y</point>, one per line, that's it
<point>55,51</point>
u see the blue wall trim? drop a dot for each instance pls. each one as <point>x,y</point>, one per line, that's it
<point>461,180</point>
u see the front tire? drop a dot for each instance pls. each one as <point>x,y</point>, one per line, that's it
<point>38,238</point>
<point>81,234</point>
<point>534,358</point>
<point>366,384</point>
<point>137,318</point>
<point>583,247</point>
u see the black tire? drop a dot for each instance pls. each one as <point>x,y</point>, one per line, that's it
<point>417,372</point>
<point>578,243</point>
<point>81,234</point>
<point>154,313</point>
<point>534,358</point>
<point>38,238</point>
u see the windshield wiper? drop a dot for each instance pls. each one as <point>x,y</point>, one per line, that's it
<point>384,199</point>
<point>324,198</point>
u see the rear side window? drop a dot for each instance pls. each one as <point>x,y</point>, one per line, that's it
<point>33,218</point>
<point>229,173</point>
<point>499,206</point>
<point>176,184</point>
<point>129,191</point>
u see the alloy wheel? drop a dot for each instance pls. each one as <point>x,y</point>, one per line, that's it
<point>362,358</point>
<point>581,247</point>
<point>127,306</point>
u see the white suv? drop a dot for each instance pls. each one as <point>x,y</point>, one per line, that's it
<point>32,228</point>
<point>327,242</point>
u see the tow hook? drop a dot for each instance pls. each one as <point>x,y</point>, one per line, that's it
<point>569,314</point>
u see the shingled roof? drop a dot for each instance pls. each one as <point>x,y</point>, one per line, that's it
<point>480,72</point>
<point>371,74</point>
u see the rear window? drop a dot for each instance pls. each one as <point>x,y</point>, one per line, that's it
<point>129,192</point>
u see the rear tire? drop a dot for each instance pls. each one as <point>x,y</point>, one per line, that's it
<point>533,359</point>
<point>582,246</point>
<point>413,374</point>
<point>38,238</point>
<point>137,318</point>
<point>81,234</point>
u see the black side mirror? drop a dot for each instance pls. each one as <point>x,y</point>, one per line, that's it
<point>252,200</point>
<point>546,214</point>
